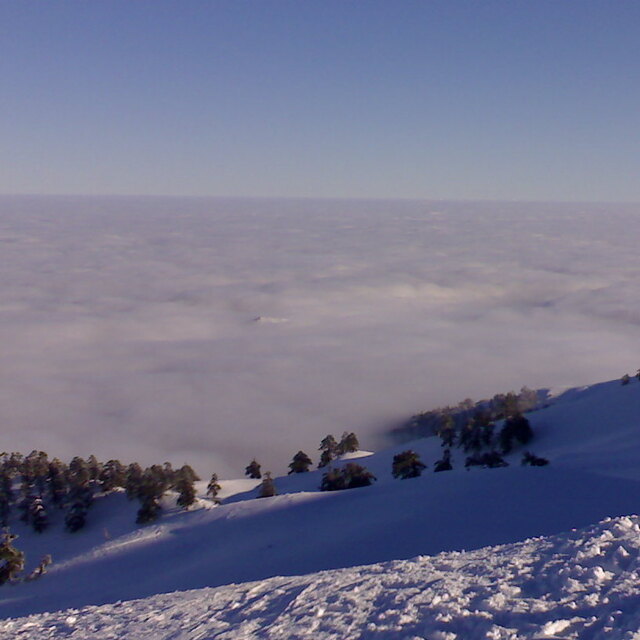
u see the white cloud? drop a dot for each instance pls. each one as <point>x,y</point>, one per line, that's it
<point>128,326</point>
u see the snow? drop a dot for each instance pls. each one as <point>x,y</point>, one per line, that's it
<point>572,586</point>
<point>439,556</point>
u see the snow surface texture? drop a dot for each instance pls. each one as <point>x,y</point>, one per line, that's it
<point>210,331</point>
<point>591,436</point>
<point>584,585</point>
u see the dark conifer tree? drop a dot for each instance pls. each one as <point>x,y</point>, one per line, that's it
<point>348,444</point>
<point>300,463</point>
<point>407,465</point>
<point>6,496</point>
<point>213,488</point>
<point>152,487</point>
<point>445,463</point>
<point>38,515</point>
<point>94,468</point>
<point>351,476</point>
<point>328,449</point>
<point>133,480</point>
<point>11,559</point>
<point>253,470</point>
<point>267,488</point>
<point>447,430</point>
<point>333,480</point>
<point>357,476</point>
<point>184,484</point>
<point>112,474</point>
<point>76,517</point>
<point>57,473</point>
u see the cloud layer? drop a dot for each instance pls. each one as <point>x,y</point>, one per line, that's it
<point>211,331</point>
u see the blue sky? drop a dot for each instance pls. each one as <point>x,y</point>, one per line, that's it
<point>492,100</point>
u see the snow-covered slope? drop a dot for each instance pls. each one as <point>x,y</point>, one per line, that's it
<point>580,585</point>
<point>591,436</point>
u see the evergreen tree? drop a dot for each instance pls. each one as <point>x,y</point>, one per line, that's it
<point>133,480</point>
<point>153,484</point>
<point>111,475</point>
<point>407,465</point>
<point>351,476</point>
<point>76,517</point>
<point>329,450</point>
<point>445,463</point>
<point>267,488</point>
<point>11,559</point>
<point>348,444</point>
<point>94,469</point>
<point>57,473</point>
<point>253,470</point>
<point>6,496</point>
<point>357,476</point>
<point>184,485</point>
<point>333,480</point>
<point>447,430</point>
<point>213,488</point>
<point>38,515</point>
<point>300,463</point>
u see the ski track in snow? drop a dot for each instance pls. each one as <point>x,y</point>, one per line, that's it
<point>582,585</point>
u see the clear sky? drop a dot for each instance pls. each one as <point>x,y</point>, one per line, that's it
<point>480,99</point>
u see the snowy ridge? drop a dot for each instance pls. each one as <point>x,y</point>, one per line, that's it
<point>364,563</point>
<point>581,585</point>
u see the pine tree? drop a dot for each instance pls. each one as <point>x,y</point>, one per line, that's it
<point>184,485</point>
<point>76,517</point>
<point>447,430</point>
<point>94,468</point>
<point>333,480</point>
<point>445,463</point>
<point>213,488</point>
<point>11,559</point>
<point>112,474</point>
<point>348,444</point>
<point>153,484</point>
<point>267,488</point>
<point>6,496</point>
<point>133,480</point>
<point>357,476</point>
<point>38,515</point>
<point>57,473</point>
<point>300,463</point>
<point>351,476</point>
<point>329,450</point>
<point>407,465</point>
<point>253,470</point>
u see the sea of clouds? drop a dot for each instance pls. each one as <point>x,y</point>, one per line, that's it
<point>211,331</point>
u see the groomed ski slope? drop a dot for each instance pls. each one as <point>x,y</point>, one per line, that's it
<point>590,435</point>
<point>584,585</point>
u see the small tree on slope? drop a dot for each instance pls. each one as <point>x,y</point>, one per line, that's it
<point>300,463</point>
<point>11,559</point>
<point>253,470</point>
<point>407,465</point>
